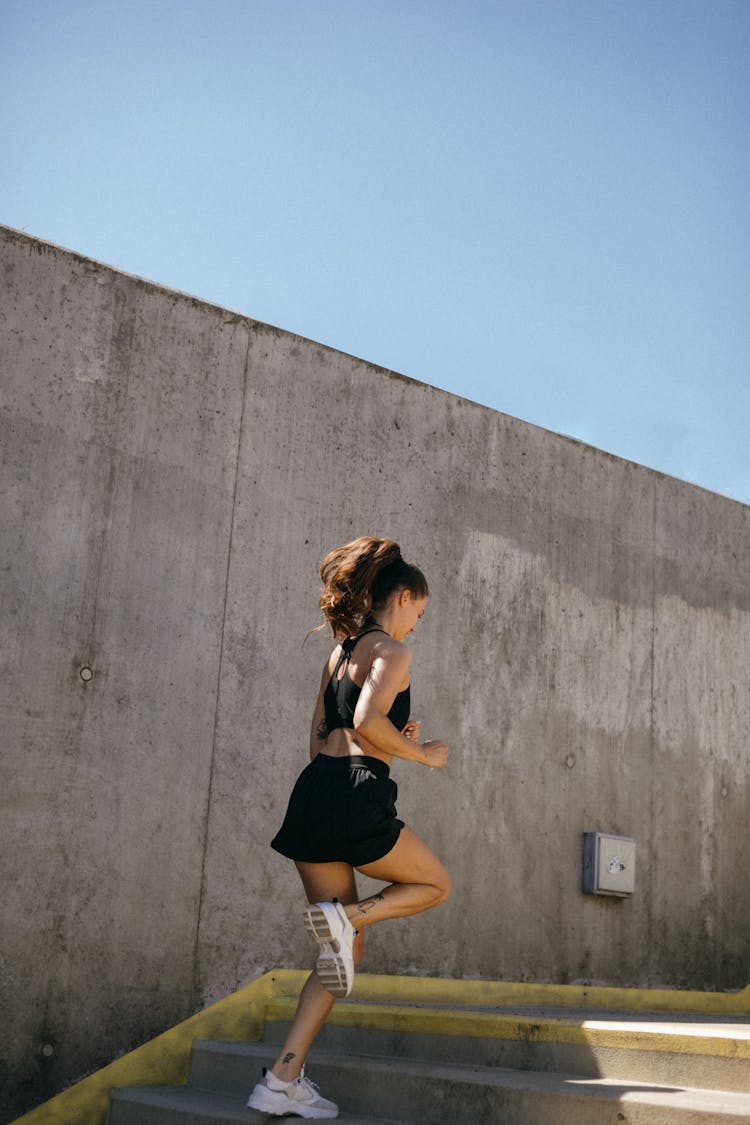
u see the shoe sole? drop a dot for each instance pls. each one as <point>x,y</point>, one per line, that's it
<point>331,966</point>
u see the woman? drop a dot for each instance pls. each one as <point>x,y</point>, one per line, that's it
<point>342,815</point>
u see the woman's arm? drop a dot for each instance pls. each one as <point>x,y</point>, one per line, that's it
<point>318,728</point>
<point>389,669</point>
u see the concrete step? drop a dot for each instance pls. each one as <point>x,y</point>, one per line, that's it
<point>186,1105</point>
<point>425,1092</point>
<point>664,1048</point>
<point>422,1052</point>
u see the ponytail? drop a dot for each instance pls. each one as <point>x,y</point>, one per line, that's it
<point>360,577</point>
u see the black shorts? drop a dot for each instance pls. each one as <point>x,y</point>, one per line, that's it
<point>340,809</point>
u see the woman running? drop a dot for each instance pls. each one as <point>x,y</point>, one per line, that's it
<point>342,813</point>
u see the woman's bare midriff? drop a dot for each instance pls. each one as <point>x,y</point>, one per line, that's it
<point>346,743</point>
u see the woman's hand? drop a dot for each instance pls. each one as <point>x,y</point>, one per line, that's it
<point>435,754</point>
<point>411,730</point>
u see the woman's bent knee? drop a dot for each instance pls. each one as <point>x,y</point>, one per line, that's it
<point>442,887</point>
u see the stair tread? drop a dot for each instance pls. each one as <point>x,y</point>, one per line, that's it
<point>710,1024</point>
<point>639,1032</point>
<point>225,1107</point>
<point>689,1097</point>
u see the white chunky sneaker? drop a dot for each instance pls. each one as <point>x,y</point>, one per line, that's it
<point>328,924</point>
<point>300,1097</point>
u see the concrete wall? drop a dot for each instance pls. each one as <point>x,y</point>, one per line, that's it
<point>171,475</point>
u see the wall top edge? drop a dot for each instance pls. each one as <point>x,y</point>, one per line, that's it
<point>45,246</point>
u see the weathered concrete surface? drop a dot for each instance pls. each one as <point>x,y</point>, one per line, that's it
<point>119,420</point>
<point>172,474</point>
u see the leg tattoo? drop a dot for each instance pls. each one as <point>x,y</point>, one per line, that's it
<point>288,1058</point>
<point>367,904</point>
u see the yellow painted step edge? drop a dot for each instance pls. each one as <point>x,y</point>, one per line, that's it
<point>528,1029</point>
<point>493,994</point>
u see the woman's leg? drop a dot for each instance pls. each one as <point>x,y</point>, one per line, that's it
<point>323,882</point>
<point>418,881</point>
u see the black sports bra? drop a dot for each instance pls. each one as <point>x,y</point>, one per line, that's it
<point>341,693</point>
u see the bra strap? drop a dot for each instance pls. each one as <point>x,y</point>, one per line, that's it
<point>348,645</point>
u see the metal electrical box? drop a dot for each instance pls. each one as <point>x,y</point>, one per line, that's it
<point>608,864</point>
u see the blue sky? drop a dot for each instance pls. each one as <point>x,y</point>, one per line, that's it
<point>541,205</point>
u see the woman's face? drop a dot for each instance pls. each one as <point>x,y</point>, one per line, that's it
<point>411,608</point>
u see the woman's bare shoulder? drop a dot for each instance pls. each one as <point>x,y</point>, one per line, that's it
<point>387,648</point>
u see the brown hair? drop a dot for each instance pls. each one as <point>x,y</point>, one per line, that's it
<point>361,576</point>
